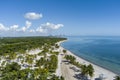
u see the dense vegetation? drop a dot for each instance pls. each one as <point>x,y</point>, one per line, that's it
<point>21,44</point>
<point>18,65</point>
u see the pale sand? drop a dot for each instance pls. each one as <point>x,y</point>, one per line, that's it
<point>58,70</point>
<point>69,73</point>
<point>33,51</point>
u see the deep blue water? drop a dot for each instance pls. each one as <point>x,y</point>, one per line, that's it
<point>103,51</point>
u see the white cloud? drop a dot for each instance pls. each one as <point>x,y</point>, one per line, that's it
<point>3,28</point>
<point>40,29</point>
<point>33,16</point>
<point>14,27</point>
<point>32,31</point>
<point>26,27</point>
<point>28,24</point>
<point>51,26</point>
<point>23,29</point>
<point>48,27</point>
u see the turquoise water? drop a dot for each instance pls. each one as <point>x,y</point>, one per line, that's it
<point>103,51</point>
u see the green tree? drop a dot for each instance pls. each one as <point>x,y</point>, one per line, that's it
<point>70,58</point>
<point>43,74</point>
<point>84,70</point>
<point>40,62</point>
<point>12,67</point>
<point>90,70</point>
<point>117,78</point>
<point>87,70</point>
<point>64,51</point>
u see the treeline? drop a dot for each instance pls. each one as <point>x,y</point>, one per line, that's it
<point>21,44</point>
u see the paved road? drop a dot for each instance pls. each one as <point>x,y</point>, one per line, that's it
<point>68,73</point>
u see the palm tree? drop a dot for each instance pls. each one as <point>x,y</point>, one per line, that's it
<point>64,51</point>
<point>84,70</point>
<point>90,70</point>
<point>40,62</point>
<point>70,58</point>
<point>22,74</point>
<point>117,78</point>
<point>3,63</point>
<point>29,59</point>
<point>43,74</point>
<point>87,70</point>
<point>36,73</point>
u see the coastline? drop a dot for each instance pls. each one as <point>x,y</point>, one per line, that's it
<point>96,64</point>
<point>109,75</point>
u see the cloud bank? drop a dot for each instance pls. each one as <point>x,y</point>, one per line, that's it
<point>48,27</point>
<point>45,28</point>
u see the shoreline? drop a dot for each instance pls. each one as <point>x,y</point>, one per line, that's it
<point>91,62</point>
<point>98,69</point>
<point>96,64</point>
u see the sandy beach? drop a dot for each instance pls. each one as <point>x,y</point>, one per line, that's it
<point>69,74</point>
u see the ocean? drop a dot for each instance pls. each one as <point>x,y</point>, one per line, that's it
<point>103,51</point>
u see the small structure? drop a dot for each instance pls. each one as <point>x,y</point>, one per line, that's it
<point>102,77</point>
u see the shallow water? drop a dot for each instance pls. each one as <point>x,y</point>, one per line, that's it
<point>103,51</point>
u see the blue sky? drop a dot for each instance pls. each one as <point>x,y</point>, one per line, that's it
<point>68,17</point>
